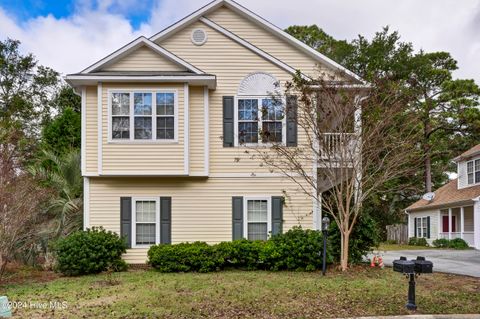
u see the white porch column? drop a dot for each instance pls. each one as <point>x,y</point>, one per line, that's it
<point>462,221</point>
<point>449,223</point>
<point>476,223</point>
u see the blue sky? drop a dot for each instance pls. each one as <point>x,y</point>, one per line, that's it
<point>136,12</point>
<point>69,35</point>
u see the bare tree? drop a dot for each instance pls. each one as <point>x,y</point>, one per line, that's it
<point>352,140</point>
<point>21,199</point>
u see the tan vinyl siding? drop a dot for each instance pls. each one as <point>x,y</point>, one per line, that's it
<point>91,130</point>
<point>201,209</point>
<point>230,62</point>
<point>197,131</point>
<point>266,41</point>
<point>144,59</point>
<point>148,157</point>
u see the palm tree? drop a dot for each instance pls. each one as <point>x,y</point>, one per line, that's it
<point>63,175</point>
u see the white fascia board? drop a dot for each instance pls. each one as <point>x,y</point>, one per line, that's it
<point>250,46</point>
<point>186,20</point>
<point>134,45</point>
<point>200,80</point>
<point>259,21</point>
<point>292,40</point>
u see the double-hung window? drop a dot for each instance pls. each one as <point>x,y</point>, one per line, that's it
<point>260,120</point>
<point>257,214</point>
<point>422,227</point>
<point>473,172</point>
<point>143,116</point>
<point>146,216</point>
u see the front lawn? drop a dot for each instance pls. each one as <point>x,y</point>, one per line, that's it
<point>234,294</point>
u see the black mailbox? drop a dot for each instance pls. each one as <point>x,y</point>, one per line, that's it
<point>404,266</point>
<point>423,266</point>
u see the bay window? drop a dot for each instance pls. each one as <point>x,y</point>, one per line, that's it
<point>143,115</point>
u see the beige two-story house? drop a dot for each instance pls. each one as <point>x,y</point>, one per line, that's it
<point>165,121</point>
<point>452,211</point>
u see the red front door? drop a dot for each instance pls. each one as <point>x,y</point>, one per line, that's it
<point>445,224</point>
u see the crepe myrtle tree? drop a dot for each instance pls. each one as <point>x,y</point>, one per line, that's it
<point>352,139</point>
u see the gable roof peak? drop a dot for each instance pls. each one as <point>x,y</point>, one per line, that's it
<point>132,46</point>
<point>236,7</point>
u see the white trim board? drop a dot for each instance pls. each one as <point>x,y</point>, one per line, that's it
<point>251,47</point>
<point>83,142</point>
<point>165,33</point>
<point>99,128</point>
<point>186,130</point>
<point>86,203</point>
<point>206,123</point>
<point>135,44</point>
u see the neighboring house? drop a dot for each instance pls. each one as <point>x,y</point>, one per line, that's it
<point>165,120</point>
<point>454,212</point>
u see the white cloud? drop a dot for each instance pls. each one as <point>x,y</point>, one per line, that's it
<point>71,44</point>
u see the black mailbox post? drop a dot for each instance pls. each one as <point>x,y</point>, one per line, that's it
<point>412,269</point>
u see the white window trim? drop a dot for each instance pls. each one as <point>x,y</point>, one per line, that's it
<point>421,226</point>
<point>245,214</point>
<point>259,98</point>
<point>131,116</point>
<point>466,174</point>
<point>134,220</point>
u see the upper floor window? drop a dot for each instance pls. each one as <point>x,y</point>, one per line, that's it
<point>260,120</point>
<point>473,172</point>
<point>143,115</point>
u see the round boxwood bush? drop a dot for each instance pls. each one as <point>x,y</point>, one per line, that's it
<point>90,252</point>
<point>458,243</point>
<point>440,243</point>
<point>241,254</point>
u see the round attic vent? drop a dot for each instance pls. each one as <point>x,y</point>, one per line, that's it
<point>199,36</point>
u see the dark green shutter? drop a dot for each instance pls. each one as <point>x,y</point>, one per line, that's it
<point>126,220</point>
<point>165,220</point>
<point>428,226</point>
<point>291,120</point>
<point>228,122</point>
<point>415,227</point>
<point>277,214</point>
<point>237,217</point>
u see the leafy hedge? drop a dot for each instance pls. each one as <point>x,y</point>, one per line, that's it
<point>297,249</point>
<point>415,241</point>
<point>456,243</point>
<point>90,252</point>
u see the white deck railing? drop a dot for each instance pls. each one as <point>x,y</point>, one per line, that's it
<point>338,146</point>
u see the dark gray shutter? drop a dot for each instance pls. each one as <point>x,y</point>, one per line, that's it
<point>415,227</point>
<point>291,120</point>
<point>228,125</point>
<point>126,220</point>
<point>165,220</point>
<point>237,217</point>
<point>277,214</point>
<point>428,226</point>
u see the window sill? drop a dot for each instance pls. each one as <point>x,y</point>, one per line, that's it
<point>140,142</point>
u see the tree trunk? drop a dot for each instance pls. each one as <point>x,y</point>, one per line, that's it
<point>3,267</point>
<point>427,156</point>
<point>344,238</point>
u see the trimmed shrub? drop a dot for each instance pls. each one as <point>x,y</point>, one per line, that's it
<point>242,254</point>
<point>297,249</point>
<point>90,252</point>
<point>458,243</point>
<point>364,236</point>
<point>415,241</point>
<point>197,256</point>
<point>440,243</point>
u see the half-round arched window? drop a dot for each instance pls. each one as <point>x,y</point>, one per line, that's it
<point>258,83</point>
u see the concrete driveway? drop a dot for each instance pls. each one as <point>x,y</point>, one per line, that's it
<point>461,262</point>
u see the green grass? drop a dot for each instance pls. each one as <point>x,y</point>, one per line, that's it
<point>235,294</point>
<point>385,246</point>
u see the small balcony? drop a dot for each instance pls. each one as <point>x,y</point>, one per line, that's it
<point>339,148</point>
